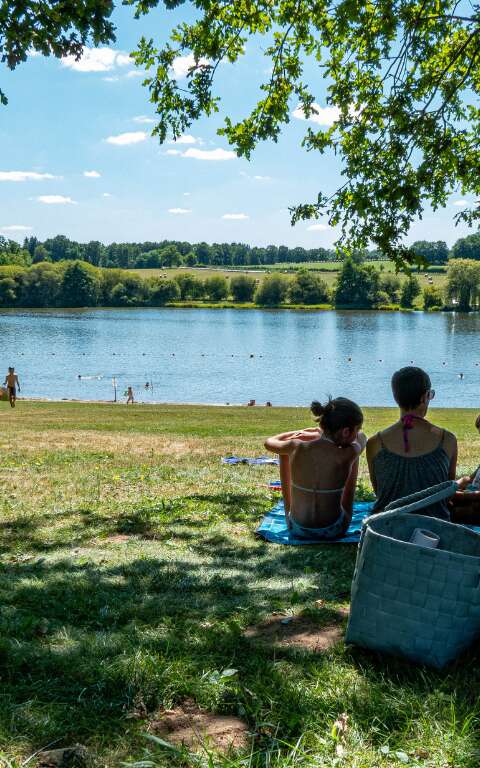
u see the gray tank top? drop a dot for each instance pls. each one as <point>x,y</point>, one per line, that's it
<point>399,476</point>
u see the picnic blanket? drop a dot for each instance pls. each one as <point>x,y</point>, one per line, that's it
<point>273,527</point>
<point>249,460</point>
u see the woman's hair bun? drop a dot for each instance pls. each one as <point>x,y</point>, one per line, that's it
<point>317,408</point>
<point>337,413</point>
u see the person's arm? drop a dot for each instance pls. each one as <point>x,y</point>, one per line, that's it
<point>372,450</point>
<point>281,444</point>
<point>359,444</point>
<point>453,453</point>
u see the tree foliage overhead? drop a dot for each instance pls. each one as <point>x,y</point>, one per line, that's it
<point>51,27</point>
<point>403,75</point>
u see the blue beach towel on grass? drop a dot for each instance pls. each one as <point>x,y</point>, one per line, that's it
<point>273,527</point>
<point>248,460</point>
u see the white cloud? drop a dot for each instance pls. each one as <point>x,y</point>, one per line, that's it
<point>185,139</point>
<point>113,79</point>
<point>262,178</point>
<point>25,176</point>
<point>92,174</point>
<point>209,154</point>
<point>143,120</point>
<point>179,211</point>
<point>173,152</point>
<point>56,200</point>
<point>318,228</point>
<point>97,60</point>
<point>182,64</point>
<point>135,73</point>
<point>324,115</point>
<point>461,203</point>
<point>15,228</point>
<point>131,137</point>
<point>235,216</point>
<point>106,194</point>
<point>187,194</point>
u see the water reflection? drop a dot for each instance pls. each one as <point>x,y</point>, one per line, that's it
<point>232,355</point>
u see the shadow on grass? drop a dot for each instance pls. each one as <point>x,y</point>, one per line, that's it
<point>85,646</point>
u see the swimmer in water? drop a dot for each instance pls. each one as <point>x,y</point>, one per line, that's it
<point>12,382</point>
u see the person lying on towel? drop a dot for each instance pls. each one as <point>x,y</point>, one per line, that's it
<point>319,468</point>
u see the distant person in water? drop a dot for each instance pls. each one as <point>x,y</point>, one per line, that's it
<point>12,383</point>
<point>319,468</point>
<point>130,396</point>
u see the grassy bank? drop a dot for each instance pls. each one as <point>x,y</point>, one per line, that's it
<point>129,573</point>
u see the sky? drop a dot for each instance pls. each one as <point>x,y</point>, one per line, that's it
<point>77,158</point>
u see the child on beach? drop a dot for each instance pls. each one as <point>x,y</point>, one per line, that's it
<point>12,383</point>
<point>318,470</point>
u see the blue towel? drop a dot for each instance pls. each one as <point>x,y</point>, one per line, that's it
<point>248,460</point>
<point>274,527</point>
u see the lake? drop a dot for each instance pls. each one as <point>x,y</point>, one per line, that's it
<point>230,356</point>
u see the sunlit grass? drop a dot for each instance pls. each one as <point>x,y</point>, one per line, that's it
<point>129,571</point>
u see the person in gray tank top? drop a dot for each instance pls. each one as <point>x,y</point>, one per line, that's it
<point>412,454</point>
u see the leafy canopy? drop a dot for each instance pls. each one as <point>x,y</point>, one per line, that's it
<point>403,77</point>
<point>57,27</point>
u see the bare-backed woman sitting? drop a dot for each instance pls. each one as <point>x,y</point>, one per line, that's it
<point>319,480</point>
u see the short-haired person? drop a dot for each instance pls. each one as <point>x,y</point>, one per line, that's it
<point>12,383</point>
<point>318,482</point>
<point>412,454</point>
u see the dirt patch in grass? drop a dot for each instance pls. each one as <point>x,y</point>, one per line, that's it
<point>301,632</point>
<point>189,726</point>
<point>118,538</point>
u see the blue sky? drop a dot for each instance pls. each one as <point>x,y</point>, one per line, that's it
<point>76,158</point>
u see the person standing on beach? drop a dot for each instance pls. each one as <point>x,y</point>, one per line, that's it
<point>12,383</point>
<point>130,396</point>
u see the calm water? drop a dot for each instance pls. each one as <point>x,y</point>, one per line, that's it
<point>204,356</point>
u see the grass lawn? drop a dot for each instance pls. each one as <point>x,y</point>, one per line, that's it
<point>130,572</point>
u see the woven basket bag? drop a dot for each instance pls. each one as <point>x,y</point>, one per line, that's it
<point>411,601</point>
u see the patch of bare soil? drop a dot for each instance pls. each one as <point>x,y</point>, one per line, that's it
<point>117,538</point>
<point>187,725</point>
<point>297,632</point>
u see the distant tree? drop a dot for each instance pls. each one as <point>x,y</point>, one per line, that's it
<point>432,297</point>
<point>163,291</point>
<point>190,259</point>
<point>242,287</point>
<point>467,247</point>
<point>170,256</point>
<point>80,285</point>
<point>131,291</point>
<point>21,258</point>
<point>410,290</point>
<point>42,286</point>
<point>272,291</point>
<point>463,284</point>
<point>391,285</point>
<point>40,254</point>
<point>216,288</point>
<point>8,292</point>
<point>357,285</point>
<point>190,286</point>
<point>308,288</point>
<point>431,252</point>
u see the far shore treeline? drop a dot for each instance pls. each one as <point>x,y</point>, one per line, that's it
<point>357,285</point>
<point>175,253</point>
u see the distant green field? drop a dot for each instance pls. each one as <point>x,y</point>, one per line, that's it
<point>328,270</point>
